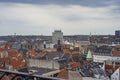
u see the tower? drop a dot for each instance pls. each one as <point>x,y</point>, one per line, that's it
<point>117,33</point>
<point>57,37</point>
<point>90,37</point>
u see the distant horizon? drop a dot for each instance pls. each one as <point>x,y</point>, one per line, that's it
<point>73,17</point>
<point>63,35</point>
<point>51,34</point>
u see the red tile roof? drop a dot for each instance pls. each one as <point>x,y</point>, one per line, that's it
<point>118,46</point>
<point>14,59</point>
<point>63,74</point>
<point>12,53</point>
<point>2,49</point>
<point>15,63</point>
<point>8,45</point>
<point>42,54</point>
<point>67,51</point>
<point>18,64</point>
<point>87,62</point>
<point>20,57</point>
<point>75,65</point>
<point>115,53</point>
<point>32,53</point>
<point>50,49</point>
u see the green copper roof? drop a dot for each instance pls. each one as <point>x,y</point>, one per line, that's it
<point>89,55</point>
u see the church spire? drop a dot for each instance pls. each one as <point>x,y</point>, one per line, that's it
<point>89,55</point>
<point>90,36</point>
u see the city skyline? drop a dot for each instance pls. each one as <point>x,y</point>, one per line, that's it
<point>73,17</point>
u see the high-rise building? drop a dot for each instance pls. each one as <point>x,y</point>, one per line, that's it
<point>117,33</point>
<point>57,37</point>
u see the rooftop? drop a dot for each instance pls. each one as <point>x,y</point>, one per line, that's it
<point>36,70</point>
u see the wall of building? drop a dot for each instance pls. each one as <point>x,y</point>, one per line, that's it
<point>57,35</point>
<point>44,63</point>
<point>99,58</point>
<point>117,33</point>
<point>73,75</point>
<point>116,75</point>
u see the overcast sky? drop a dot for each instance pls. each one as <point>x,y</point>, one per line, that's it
<point>73,17</point>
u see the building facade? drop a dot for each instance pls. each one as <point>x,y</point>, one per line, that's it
<point>117,33</point>
<point>57,37</point>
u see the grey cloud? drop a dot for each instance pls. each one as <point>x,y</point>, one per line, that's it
<point>73,18</point>
<point>37,19</point>
<point>91,3</point>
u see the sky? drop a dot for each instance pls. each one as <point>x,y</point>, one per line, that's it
<point>73,17</point>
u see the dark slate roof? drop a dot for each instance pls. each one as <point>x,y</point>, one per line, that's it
<point>62,61</point>
<point>40,71</point>
<point>103,50</point>
<point>23,51</point>
<point>90,70</point>
<point>25,70</point>
<point>52,55</point>
<point>64,58</point>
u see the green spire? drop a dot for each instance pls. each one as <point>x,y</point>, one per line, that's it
<point>89,55</point>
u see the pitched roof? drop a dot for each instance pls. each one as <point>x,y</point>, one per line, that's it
<point>116,53</point>
<point>63,74</point>
<point>32,53</point>
<point>8,45</point>
<point>12,53</point>
<point>17,64</point>
<point>52,55</point>
<point>23,51</point>
<point>50,49</point>
<point>118,46</point>
<point>89,55</point>
<point>75,65</point>
<point>42,54</point>
<point>66,51</point>
<point>20,57</point>
<point>91,70</point>
<point>2,49</point>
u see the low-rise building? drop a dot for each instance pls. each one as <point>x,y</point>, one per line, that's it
<point>112,65</point>
<point>116,75</point>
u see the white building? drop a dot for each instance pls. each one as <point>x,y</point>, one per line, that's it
<point>100,58</point>
<point>116,75</point>
<point>57,35</point>
<point>51,64</point>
